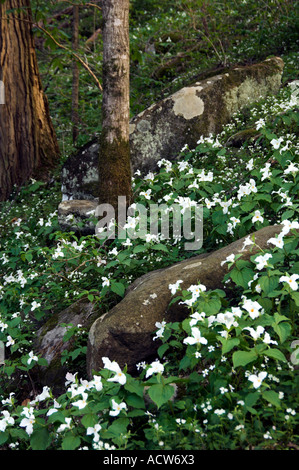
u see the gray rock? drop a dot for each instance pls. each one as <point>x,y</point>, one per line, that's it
<point>77,215</point>
<point>125,333</point>
<point>162,130</point>
<point>49,342</point>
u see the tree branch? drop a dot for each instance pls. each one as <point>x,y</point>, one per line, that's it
<point>78,58</point>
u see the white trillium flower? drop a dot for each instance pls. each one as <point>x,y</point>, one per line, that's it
<point>290,280</point>
<point>196,337</point>
<point>174,287</point>
<point>253,308</point>
<point>32,357</point>
<point>65,426</point>
<point>114,367</point>
<point>276,142</point>
<point>95,431</point>
<point>257,217</point>
<point>117,407</point>
<point>81,403</point>
<point>155,368</point>
<point>257,379</point>
<point>288,225</point>
<point>229,259</point>
<point>277,241</point>
<point>255,333</point>
<point>262,261</point>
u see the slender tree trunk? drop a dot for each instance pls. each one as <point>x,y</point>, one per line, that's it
<point>114,160</point>
<point>28,145</point>
<point>75,87</point>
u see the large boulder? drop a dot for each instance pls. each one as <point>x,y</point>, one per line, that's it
<point>78,215</point>
<point>162,130</point>
<point>125,333</point>
<point>49,340</point>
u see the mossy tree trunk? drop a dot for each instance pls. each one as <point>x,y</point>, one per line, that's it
<point>28,145</point>
<point>114,159</point>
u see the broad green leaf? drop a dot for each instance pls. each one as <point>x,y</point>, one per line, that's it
<point>71,442</point>
<point>134,386</point>
<point>162,349</point>
<point>283,330</point>
<point>118,427</point>
<point>228,344</point>
<point>275,354</point>
<point>40,439</point>
<point>268,284</point>
<point>3,437</point>
<point>209,305</point>
<point>251,399</point>
<point>118,288</point>
<point>139,249</point>
<point>272,397</point>
<point>89,420</point>
<point>160,247</point>
<point>295,297</point>
<point>56,416</point>
<point>242,358</point>
<point>160,393</point>
<point>135,401</point>
<point>241,278</point>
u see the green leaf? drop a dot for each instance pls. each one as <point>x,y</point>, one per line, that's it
<point>209,305</point>
<point>139,249</point>
<point>160,393</point>
<point>134,386</point>
<point>89,420</point>
<point>118,427</point>
<point>184,363</point>
<point>295,297</point>
<point>251,399</point>
<point>228,344</point>
<point>3,437</point>
<point>135,401</point>
<point>242,358</point>
<point>160,247</point>
<point>241,278</point>
<point>162,349</point>
<point>118,288</point>
<point>40,439</point>
<point>28,256</point>
<point>272,397</point>
<point>268,284</point>
<point>71,442</point>
<point>275,354</point>
<point>283,330</point>
<point>57,416</point>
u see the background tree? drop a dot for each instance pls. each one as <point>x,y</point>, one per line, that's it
<point>28,144</point>
<point>114,160</point>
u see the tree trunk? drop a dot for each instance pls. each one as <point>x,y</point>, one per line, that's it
<point>114,160</point>
<point>75,87</point>
<point>28,145</point>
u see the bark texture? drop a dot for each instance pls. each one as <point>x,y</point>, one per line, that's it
<point>114,160</point>
<point>28,145</point>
